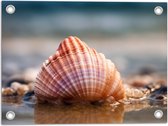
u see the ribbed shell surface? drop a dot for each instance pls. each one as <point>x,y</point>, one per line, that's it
<point>77,72</point>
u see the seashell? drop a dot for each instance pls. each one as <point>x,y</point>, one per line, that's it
<point>77,72</point>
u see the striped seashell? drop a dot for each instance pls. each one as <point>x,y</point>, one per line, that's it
<point>77,72</point>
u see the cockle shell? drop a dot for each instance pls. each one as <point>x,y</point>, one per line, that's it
<point>77,72</point>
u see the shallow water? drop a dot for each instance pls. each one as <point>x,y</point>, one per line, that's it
<point>81,114</point>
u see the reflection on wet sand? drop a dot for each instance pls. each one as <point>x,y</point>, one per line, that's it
<point>93,114</point>
<point>81,113</point>
<point>50,114</point>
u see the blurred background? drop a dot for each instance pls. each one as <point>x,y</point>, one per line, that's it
<point>130,34</point>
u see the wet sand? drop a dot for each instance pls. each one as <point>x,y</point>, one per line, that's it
<point>82,114</point>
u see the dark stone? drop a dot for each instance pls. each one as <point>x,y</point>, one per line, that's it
<point>28,96</point>
<point>161,90</point>
<point>159,97</point>
<point>146,70</point>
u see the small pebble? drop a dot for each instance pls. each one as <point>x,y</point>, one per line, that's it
<point>145,91</point>
<point>111,99</point>
<point>140,81</point>
<point>8,91</point>
<point>31,86</point>
<point>161,90</point>
<point>124,101</point>
<point>114,104</point>
<point>23,89</point>
<point>28,96</point>
<point>134,93</point>
<point>15,78</point>
<point>159,97</point>
<point>15,85</point>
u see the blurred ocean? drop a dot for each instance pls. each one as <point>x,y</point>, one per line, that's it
<point>81,18</point>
